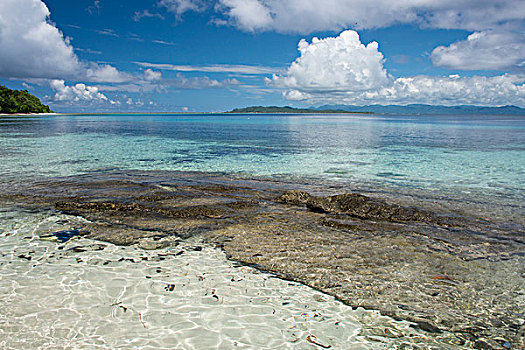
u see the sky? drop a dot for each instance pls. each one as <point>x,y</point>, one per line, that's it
<point>216,55</point>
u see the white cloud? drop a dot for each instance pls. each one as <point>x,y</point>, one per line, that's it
<point>248,15</point>
<point>130,102</point>
<point>76,93</point>
<point>232,81</point>
<point>193,83</point>
<point>336,64</point>
<point>146,13</point>
<point>342,70</point>
<point>453,90</point>
<point>106,73</point>
<point>492,19</point>
<point>179,7</point>
<point>108,32</point>
<point>93,52</point>
<point>151,75</point>
<point>162,42</point>
<point>95,8</point>
<point>448,91</point>
<point>306,16</point>
<point>32,48</point>
<point>483,50</point>
<point>135,88</point>
<point>217,68</point>
<point>153,81</point>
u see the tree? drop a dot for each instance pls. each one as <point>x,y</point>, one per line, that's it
<point>20,101</point>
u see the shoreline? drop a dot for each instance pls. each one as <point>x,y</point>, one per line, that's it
<point>227,113</point>
<point>26,114</point>
<point>422,262</point>
<point>187,113</point>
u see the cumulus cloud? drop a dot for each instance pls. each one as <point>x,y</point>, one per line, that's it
<point>106,73</point>
<point>76,93</point>
<point>491,20</point>
<point>483,50</point>
<point>248,15</point>
<point>307,16</point>
<point>343,70</point>
<point>32,48</point>
<point>36,48</point>
<point>151,75</point>
<point>452,90</point>
<point>336,64</point>
<point>448,91</point>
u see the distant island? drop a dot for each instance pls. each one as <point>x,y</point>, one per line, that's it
<point>291,110</point>
<point>20,101</point>
<point>414,109</point>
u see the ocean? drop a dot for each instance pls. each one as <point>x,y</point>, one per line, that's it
<point>458,153</point>
<point>473,158</point>
<point>82,295</point>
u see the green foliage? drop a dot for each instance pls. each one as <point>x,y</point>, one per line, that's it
<point>286,109</point>
<point>20,101</point>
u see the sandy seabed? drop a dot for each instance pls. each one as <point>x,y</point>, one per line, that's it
<point>86,294</point>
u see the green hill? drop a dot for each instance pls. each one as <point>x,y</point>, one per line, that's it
<point>286,109</point>
<point>20,101</point>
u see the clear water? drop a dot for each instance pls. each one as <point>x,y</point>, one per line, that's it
<point>55,300</point>
<point>441,153</point>
<point>198,300</point>
<point>110,297</point>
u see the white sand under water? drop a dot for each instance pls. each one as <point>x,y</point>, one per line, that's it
<point>102,296</point>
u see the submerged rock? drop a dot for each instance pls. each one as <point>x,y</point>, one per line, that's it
<point>459,279</point>
<point>362,207</point>
<point>149,243</point>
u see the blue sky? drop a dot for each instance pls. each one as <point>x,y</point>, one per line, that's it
<point>198,55</point>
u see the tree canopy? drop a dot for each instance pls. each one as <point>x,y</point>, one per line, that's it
<point>286,109</point>
<point>20,101</point>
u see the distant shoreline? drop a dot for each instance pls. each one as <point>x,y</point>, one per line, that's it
<point>183,113</point>
<point>292,110</point>
<point>260,113</point>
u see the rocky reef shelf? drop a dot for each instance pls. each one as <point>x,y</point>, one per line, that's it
<point>455,276</point>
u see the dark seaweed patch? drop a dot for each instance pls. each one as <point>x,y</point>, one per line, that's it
<point>64,236</point>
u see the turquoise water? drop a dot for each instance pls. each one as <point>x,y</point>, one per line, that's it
<point>96,299</point>
<point>443,154</point>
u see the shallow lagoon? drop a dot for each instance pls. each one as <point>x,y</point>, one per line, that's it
<point>92,295</point>
<point>463,161</point>
<point>456,153</point>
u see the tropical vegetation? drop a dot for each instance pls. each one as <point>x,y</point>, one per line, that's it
<point>20,101</point>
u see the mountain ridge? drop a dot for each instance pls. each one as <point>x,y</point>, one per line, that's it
<point>427,109</point>
<point>411,109</point>
<point>286,109</point>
